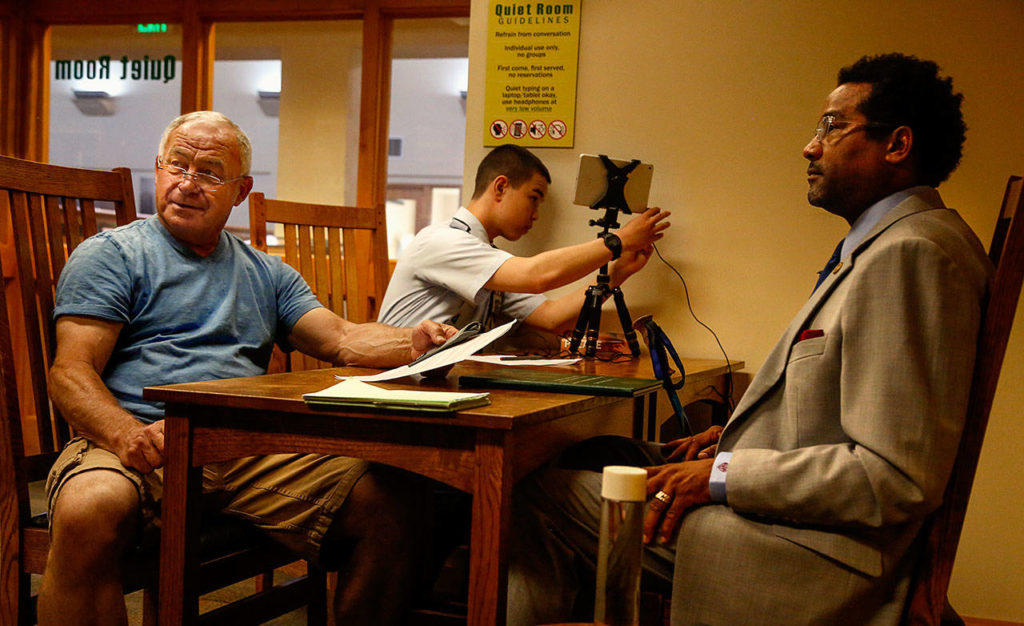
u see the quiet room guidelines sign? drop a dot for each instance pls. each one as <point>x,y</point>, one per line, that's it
<point>532,52</point>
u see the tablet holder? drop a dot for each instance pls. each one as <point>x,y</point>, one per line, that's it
<point>588,323</point>
<point>615,194</point>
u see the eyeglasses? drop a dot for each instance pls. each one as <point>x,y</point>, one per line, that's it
<point>828,123</point>
<point>205,180</point>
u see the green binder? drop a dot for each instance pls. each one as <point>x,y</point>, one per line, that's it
<point>560,382</point>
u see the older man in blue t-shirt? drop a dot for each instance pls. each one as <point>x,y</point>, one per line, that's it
<point>174,298</point>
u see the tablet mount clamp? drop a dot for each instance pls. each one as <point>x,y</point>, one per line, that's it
<point>589,321</point>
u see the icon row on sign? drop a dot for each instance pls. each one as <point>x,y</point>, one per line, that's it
<point>519,129</point>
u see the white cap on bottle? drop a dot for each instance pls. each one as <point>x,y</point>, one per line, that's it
<point>625,484</point>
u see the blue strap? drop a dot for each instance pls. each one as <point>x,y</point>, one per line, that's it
<point>661,347</point>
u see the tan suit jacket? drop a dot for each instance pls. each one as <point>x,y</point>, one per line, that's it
<point>844,441</point>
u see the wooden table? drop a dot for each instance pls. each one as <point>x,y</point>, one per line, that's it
<point>482,451</point>
<point>706,380</point>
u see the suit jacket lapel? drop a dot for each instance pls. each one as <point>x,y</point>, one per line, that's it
<point>774,367</point>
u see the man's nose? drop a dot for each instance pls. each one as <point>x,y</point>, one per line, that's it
<point>812,151</point>
<point>188,183</point>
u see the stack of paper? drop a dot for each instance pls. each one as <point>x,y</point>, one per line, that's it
<point>351,392</point>
<point>447,355</point>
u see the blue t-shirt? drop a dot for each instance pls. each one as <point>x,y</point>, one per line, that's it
<point>186,318</point>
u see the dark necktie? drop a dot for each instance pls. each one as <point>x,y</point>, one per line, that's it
<point>830,265</point>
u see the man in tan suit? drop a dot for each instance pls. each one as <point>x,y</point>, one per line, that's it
<point>807,510</point>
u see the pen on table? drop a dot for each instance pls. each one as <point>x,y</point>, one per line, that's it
<point>519,357</point>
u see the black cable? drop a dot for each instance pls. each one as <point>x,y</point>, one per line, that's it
<point>727,396</point>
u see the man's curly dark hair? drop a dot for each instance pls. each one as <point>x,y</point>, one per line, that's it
<point>907,91</point>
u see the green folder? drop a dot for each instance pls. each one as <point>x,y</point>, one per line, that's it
<point>560,382</point>
<point>354,393</point>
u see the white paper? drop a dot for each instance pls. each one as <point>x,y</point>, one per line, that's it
<point>443,358</point>
<point>352,389</point>
<point>495,359</point>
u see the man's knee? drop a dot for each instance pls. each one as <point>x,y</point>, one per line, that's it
<point>385,501</point>
<point>96,509</point>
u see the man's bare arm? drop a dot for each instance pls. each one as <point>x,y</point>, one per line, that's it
<point>555,268</point>
<point>322,334</point>
<point>560,315</point>
<point>84,345</point>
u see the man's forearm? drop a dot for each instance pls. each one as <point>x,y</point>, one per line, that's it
<point>374,345</point>
<point>549,270</point>
<point>86,403</point>
<point>325,336</point>
<point>558,316</point>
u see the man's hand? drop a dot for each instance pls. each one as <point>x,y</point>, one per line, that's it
<point>684,485</point>
<point>643,230</point>
<point>142,448</point>
<point>631,262</point>
<point>699,446</point>
<point>428,334</point>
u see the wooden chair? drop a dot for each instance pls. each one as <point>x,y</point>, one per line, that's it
<point>45,212</point>
<point>350,284</point>
<point>941,533</point>
<point>315,238</point>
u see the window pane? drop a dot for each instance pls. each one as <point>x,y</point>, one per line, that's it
<point>429,75</point>
<point>306,139</point>
<point>112,92</point>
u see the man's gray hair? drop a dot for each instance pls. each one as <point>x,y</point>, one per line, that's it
<point>213,117</point>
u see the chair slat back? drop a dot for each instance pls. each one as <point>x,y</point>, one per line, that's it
<point>942,531</point>
<point>340,251</point>
<point>45,212</point>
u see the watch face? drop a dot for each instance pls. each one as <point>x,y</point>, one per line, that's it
<point>613,243</point>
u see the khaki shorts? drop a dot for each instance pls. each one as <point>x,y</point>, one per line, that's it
<point>292,497</point>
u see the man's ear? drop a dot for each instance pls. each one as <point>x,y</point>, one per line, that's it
<point>500,185</point>
<point>243,190</point>
<point>901,141</point>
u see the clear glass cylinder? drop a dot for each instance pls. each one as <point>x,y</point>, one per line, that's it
<point>620,548</point>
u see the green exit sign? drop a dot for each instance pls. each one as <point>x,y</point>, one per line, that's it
<point>152,28</point>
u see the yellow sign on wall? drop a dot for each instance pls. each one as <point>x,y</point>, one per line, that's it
<point>532,52</point>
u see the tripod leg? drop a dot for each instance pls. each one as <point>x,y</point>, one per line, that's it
<point>595,298</point>
<point>584,319</point>
<point>581,327</point>
<point>627,324</point>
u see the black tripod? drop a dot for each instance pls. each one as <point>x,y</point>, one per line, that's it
<point>589,321</point>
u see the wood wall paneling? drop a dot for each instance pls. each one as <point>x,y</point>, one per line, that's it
<point>374,107</point>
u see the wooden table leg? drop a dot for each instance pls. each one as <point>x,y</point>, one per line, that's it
<point>639,417</point>
<point>488,545</point>
<point>653,430</point>
<point>179,579</point>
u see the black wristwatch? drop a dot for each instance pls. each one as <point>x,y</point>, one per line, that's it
<point>613,243</point>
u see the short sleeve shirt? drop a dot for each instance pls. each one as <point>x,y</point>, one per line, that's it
<point>441,276</point>
<point>186,318</point>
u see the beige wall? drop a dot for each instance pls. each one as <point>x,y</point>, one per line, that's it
<point>721,97</point>
<point>315,163</point>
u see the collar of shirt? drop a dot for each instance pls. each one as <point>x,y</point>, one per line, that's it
<point>464,220</point>
<point>867,220</point>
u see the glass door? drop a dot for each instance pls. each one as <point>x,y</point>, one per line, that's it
<point>113,89</point>
<point>427,126</point>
